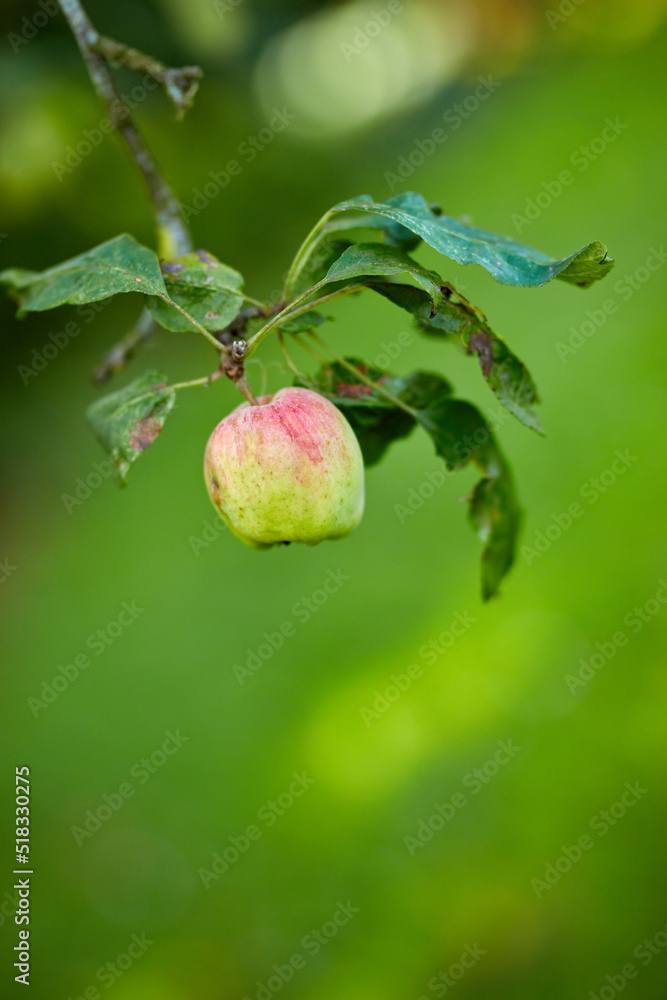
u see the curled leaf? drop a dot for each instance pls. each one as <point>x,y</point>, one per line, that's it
<point>506,260</point>
<point>128,421</point>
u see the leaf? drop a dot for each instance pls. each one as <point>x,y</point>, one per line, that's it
<point>119,265</point>
<point>128,421</point>
<point>461,435</point>
<point>508,261</point>
<point>587,264</point>
<point>505,373</point>
<point>376,428</point>
<point>373,259</point>
<point>331,246</point>
<point>200,284</point>
<point>458,321</point>
<point>18,277</point>
<point>419,388</point>
<point>395,234</point>
<point>495,513</point>
<point>317,266</point>
<point>305,322</point>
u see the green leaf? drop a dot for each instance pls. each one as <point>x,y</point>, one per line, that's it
<point>364,260</point>
<point>495,514</point>
<point>508,261</point>
<point>329,250</point>
<point>590,264</point>
<point>419,388</point>
<point>396,235</point>
<point>128,421</point>
<point>18,277</point>
<point>457,320</point>
<point>119,265</point>
<point>205,288</point>
<point>461,435</point>
<point>376,428</point>
<point>305,322</point>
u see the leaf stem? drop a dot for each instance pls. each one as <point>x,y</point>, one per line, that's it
<point>206,380</point>
<point>348,290</point>
<point>302,254</point>
<point>286,354</point>
<point>186,315</point>
<point>310,350</point>
<point>241,384</point>
<point>279,318</point>
<point>255,302</point>
<point>292,310</point>
<point>364,378</point>
<point>173,236</point>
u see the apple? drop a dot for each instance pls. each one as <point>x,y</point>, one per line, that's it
<point>287,470</point>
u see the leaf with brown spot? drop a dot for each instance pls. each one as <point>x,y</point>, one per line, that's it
<point>353,391</point>
<point>208,290</point>
<point>460,322</point>
<point>481,343</point>
<point>128,421</point>
<point>145,433</point>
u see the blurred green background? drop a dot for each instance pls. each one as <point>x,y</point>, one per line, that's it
<point>205,611</point>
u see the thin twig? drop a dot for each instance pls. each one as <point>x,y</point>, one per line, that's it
<point>117,357</point>
<point>173,235</point>
<point>180,85</point>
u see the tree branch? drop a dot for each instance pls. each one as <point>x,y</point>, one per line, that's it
<point>117,357</point>
<point>173,235</point>
<point>180,85</point>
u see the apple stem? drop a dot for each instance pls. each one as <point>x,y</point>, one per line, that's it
<point>241,384</point>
